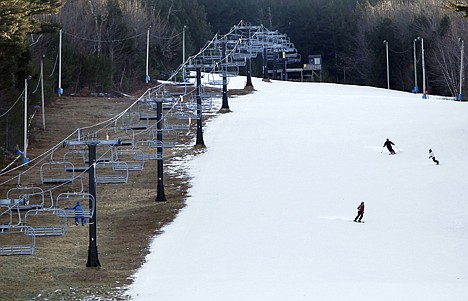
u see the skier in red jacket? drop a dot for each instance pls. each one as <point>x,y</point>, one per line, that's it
<point>360,212</point>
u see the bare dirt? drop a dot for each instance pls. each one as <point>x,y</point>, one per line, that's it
<point>127,216</point>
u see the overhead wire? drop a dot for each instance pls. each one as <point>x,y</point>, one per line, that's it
<point>103,125</point>
<point>13,105</point>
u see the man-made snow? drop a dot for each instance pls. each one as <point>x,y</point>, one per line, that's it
<point>270,211</point>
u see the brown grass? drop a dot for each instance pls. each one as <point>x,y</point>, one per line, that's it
<point>127,218</point>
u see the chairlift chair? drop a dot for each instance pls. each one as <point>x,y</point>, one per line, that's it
<point>67,200</point>
<point>45,222</point>
<point>56,172</point>
<point>25,197</point>
<point>111,173</point>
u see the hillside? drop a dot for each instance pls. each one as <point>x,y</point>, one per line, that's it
<point>127,215</point>
<point>271,206</point>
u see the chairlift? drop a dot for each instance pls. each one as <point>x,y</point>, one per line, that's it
<point>188,115</point>
<point>77,157</point>
<point>24,197</point>
<point>131,121</point>
<point>129,159</point>
<point>67,200</point>
<point>56,172</point>
<point>45,222</point>
<point>111,173</point>
<point>170,137</point>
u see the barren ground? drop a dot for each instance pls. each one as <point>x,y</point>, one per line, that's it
<point>127,214</point>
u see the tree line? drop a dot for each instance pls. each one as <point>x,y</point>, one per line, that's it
<point>104,42</point>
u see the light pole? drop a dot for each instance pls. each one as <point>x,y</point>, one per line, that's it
<point>42,92</point>
<point>147,78</point>
<point>460,96</point>
<point>388,69</point>
<point>416,89</point>
<point>423,69</point>
<point>25,133</point>
<point>60,90</point>
<point>183,53</point>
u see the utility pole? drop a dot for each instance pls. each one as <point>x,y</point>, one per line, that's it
<point>461,96</point>
<point>416,89</point>
<point>423,69</point>
<point>42,92</point>
<point>147,77</point>
<point>183,53</point>
<point>60,90</point>
<point>25,133</point>
<point>388,67</point>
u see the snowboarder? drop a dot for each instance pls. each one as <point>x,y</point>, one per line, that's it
<point>432,156</point>
<point>388,144</point>
<point>360,213</point>
<point>78,213</point>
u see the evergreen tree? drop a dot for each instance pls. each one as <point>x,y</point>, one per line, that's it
<point>17,20</point>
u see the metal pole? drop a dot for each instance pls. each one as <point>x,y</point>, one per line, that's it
<point>25,134</point>
<point>183,45</point>
<point>93,260</point>
<point>265,65</point>
<point>460,96</point>
<point>60,90</point>
<point>199,142</point>
<point>388,68</point>
<point>285,74</point>
<point>415,90</point>
<point>423,69</point>
<point>160,195</point>
<point>147,78</point>
<point>249,84</point>
<point>183,53</point>
<point>42,92</point>
<point>248,63</point>
<point>225,105</point>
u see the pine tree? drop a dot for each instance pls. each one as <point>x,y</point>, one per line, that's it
<point>17,20</point>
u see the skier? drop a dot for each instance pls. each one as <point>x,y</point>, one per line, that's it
<point>360,213</point>
<point>388,144</point>
<point>432,156</point>
<point>78,213</point>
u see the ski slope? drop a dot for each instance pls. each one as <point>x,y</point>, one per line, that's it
<point>270,211</point>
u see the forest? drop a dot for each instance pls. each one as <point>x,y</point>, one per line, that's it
<point>104,44</point>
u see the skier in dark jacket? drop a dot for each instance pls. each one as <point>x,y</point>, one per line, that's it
<point>432,156</point>
<point>78,213</point>
<point>388,144</point>
<point>360,213</point>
